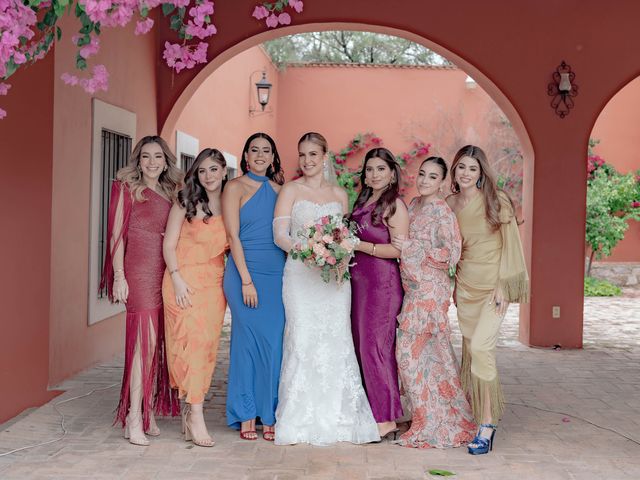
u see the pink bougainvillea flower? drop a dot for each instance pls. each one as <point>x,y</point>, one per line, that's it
<point>200,54</point>
<point>19,58</point>
<point>91,48</point>
<point>199,31</point>
<point>181,3</point>
<point>99,80</point>
<point>120,15</point>
<point>635,204</point>
<point>96,10</point>
<point>297,5</point>
<point>2,114</point>
<point>69,79</point>
<point>201,11</point>
<point>284,18</point>
<point>143,26</point>
<point>4,88</point>
<point>272,21</point>
<point>260,12</point>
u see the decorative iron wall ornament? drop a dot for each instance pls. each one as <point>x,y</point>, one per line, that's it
<point>563,89</point>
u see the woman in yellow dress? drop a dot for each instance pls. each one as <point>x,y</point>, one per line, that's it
<point>491,274</point>
<point>194,246</point>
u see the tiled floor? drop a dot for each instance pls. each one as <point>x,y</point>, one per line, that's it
<point>600,383</point>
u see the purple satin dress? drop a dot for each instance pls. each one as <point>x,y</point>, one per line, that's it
<point>376,300</point>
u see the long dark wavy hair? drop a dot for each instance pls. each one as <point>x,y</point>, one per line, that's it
<point>193,193</point>
<point>387,201</point>
<point>275,171</point>
<point>486,183</point>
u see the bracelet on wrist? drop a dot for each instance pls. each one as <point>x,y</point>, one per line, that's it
<point>175,270</point>
<point>373,250</point>
<point>250,282</point>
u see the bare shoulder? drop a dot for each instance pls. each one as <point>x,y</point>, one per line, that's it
<point>234,187</point>
<point>289,188</point>
<point>276,186</point>
<point>339,192</point>
<point>400,205</point>
<point>452,201</point>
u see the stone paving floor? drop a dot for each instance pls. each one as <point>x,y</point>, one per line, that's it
<point>600,384</point>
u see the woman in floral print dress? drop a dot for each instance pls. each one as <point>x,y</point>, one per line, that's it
<point>429,373</point>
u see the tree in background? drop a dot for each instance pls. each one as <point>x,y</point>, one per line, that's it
<point>490,130</point>
<point>612,200</point>
<point>350,47</point>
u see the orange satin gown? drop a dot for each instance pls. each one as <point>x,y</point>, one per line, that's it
<point>193,334</point>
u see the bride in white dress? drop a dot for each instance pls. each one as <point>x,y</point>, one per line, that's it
<point>320,398</point>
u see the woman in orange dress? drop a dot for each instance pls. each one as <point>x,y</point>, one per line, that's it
<point>194,246</point>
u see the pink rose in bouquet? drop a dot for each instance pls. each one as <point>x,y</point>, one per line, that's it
<point>327,244</point>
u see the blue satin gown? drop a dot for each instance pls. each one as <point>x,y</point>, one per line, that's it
<point>256,333</point>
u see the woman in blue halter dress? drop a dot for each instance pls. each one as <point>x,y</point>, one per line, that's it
<point>253,287</point>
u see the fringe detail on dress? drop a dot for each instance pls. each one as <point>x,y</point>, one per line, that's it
<point>516,288</point>
<point>167,402</point>
<point>474,387</point>
<point>156,393</point>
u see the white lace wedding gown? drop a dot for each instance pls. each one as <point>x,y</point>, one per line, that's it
<point>320,398</point>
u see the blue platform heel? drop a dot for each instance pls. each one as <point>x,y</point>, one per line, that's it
<point>480,444</point>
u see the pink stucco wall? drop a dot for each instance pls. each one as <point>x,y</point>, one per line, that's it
<point>26,139</point>
<point>618,129</point>
<point>130,59</point>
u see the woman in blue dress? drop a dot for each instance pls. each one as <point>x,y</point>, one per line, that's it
<point>253,287</point>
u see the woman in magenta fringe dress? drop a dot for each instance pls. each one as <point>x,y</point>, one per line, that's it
<point>141,198</point>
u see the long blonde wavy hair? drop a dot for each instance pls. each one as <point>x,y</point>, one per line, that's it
<point>486,183</point>
<point>169,180</point>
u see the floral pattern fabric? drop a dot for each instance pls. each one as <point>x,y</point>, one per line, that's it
<point>429,372</point>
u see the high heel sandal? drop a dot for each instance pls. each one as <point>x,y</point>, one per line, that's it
<point>249,435</point>
<point>268,435</point>
<point>481,445</point>
<point>391,435</point>
<point>134,440</point>
<point>188,436</point>
<point>183,418</point>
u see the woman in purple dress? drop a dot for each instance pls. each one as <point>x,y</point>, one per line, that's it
<point>376,285</point>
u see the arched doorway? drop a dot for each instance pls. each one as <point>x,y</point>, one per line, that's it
<point>614,188</point>
<point>483,81</point>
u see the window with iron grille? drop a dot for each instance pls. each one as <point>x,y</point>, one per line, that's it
<point>186,161</point>
<point>115,152</point>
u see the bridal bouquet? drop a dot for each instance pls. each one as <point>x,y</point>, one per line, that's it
<point>328,244</point>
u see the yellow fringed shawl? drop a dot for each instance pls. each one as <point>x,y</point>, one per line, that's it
<point>490,257</point>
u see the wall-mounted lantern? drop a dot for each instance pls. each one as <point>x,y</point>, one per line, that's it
<point>563,89</point>
<point>263,91</point>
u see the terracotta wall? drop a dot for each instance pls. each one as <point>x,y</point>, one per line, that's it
<point>26,137</point>
<point>131,60</point>
<point>218,114</point>
<point>618,129</point>
<point>400,105</point>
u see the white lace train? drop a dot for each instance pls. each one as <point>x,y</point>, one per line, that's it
<point>320,398</point>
